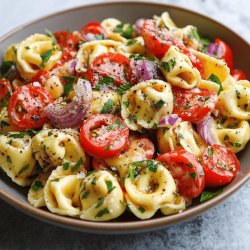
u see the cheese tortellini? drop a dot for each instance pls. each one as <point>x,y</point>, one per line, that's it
<point>31,55</point>
<point>178,69</point>
<point>16,157</point>
<point>145,103</point>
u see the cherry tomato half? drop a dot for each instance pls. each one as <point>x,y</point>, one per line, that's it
<point>40,76</point>
<point>91,29</point>
<point>239,74</point>
<point>193,104</point>
<point>67,40</point>
<point>26,106</point>
<point>104,135</point>
<point>186,171</point>
<point>114,65</point>
<point>5,91</point>
<point>220,165</point>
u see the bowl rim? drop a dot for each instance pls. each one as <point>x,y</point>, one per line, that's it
<point>129,226</point>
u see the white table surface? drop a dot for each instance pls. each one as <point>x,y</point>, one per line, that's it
<point>226,226</point>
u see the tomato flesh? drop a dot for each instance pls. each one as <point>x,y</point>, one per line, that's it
<point>27,106</point>
<point>239,74</point>
<point>220,165</point>
<point>114,65</point>
<point>67,40</point>
<point>194,104</point>
<point>186,171</point>
<point>93,28</point>
<point>104,135</point>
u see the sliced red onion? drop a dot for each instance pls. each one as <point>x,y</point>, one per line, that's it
<point>204,128</point>
<point>215,50</point>
<point>168,120</point>
<point>71,67</point>
<point>146,70</point>
<point>65,115</point>
<point>138,25</point>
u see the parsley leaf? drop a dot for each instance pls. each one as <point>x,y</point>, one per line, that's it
<point>131,42</point>
<point>193,175</point>
<point>165,66</point>
<point>4,124</point>
<point>85,194</point>
<point>207,195</point>
<point>102,212</point>
<point>77,165</point>
<point>126,30</point>
<point>25,167</point>
<point>37,185</point>
<point>110,186</point>
<point>122,89</point>
<point>106,80</point>
<point>215,79</point>
<point>69,84</point>
<point>50,34</point>
<point>100,202</point>
<point>66,166</point>
<point>108,107</point>
<point>100,36</point>
<point>141,209</point>
<point>45,56</point>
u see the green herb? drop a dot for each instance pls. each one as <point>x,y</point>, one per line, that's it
<point>204,41</point>
<point>108,107</point>
<point>165,66</point>
<point>106,80</point>
<point>4,124</point>
<point>4,103</point>
<point>110,186</point>
<point>226,137</point>
<point>126,30</point>
<point>6,69</point>
<point>237,93</point>
<point>66,166</point>
<point>100,202</point>
<point>132,118</point>
<point>8,159</point>
<point>173,62</point>
<point>33,132</point>
<point>37,185</point>
<point>155,126</point>
<point>85,194</point>
<point>237,144</point>
<point>164,130</point>
<point>141,209</point>
<point>69,84</point>
<point>93,182</point>
<point>159,104</point>
<point>25,167</point>
<point>114,126</point>
<point>55,180</point>
<point>215,79</point>
<point>126,104</point>
<point>149,164</point>
<point>136,56</point>
<point>210,152</point>
<point>19,135</point>
<point>189,165</point>
<point>132,173</point>
<point>122,89</point>
<point>207,98</point>
<point>100,36</point>
<point>131,42</point>
<point>45,56</point>
<point>50,34</point>
<point>207,195</point>
<point>102,212</point>
<point>193,175</point>
<point>90,172</point>
<point>27,47</point>
<point>77,165</point>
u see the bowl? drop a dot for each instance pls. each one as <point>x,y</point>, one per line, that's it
<point>76,18</point>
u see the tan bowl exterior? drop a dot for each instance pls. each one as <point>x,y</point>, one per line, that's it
<point>76,18</point>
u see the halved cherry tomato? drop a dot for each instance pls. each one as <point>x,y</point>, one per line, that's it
<point>40,76</point>
<point>104,135</point>
<point>227,53</point>
<point>220,165</point>
<point>99,164</point>
<point>186,171</point>
<point>26,106</point>
<point>193,104</point>
<point>67,40</point>
<point>93,28</point>
<point>158,40</point>
<point>239,74</point>
<point>114,65</point>
<point>5,91</point>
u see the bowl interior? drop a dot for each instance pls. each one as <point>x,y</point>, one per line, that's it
<point>74,19</point>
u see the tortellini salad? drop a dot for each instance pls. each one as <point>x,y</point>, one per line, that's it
<point>122,118</point>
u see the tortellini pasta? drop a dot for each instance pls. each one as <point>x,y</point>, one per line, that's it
<point>16,157</point>
<point>5,125</point>
<point>235,101</point>
<point>180,136</point>
<point>165,20</point>
<point>178,69</point>
<point>30,53</point>
<point>145,103</point>
<point>53,147</point>
<point>10,53</point>
<point>149,186</point>
<point>101,197</point>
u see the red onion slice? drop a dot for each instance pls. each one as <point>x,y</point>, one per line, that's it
<point>215,50</point>
<point>204,128</point>
<point>168,120</point>
<point>65,115</point>
<point>138,25</point>
<point>71,67</point>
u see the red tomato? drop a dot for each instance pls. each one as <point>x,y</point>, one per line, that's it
<point>239,74</point>
<point>186,171</point>
<point>99,164</point>
<point>193,104</point>
<point>227,53</point>
<point>67,40</point>
<point>93,28</point>
<point>220,165</point>
<point>26,106</point>
<point>40,76</point>
<point>158,40</point>
<point>104,135</point>
<point>112,65</point>
<point>5,91</point>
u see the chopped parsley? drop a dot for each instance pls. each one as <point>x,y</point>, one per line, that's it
<point>85,194</point>
<point>108,107</point>
<point>24,168</point>
<point>159,104</point>
<point>204,41</point>
<point>110,186</point>
<point>8,159</point>
<point>237,144</point>
<point>126,104</point>
<point>210,152</point>
<point>91,172</point>
<point>55,180</point>
<point>149,164</point>
<point>173,62</point>
<point>4,124</point>
<point>216,79</point>
<point>122,89</point>
<point>100,202</point>
<point>45,56</point>
<point>165,66</point>
<point>237,93</point>
<point>77,165</point>
<point>106,80</point>
<point>126,30</point>
<point>93,182</point>
<point>131,42</point>
<point>69,84</point>
<point>50,34</point>
<point>207,195</point>
<point>190,165</point>
<point>100,36</point>
<point>132,118</point>
<point>193,175</point>
<point>6,69</point>
<point>141,209</point>
<point>133,172</point>
<point>155,126</point>
<point>102,212</point>
<point>66,166</point>
<point>37,185</point>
